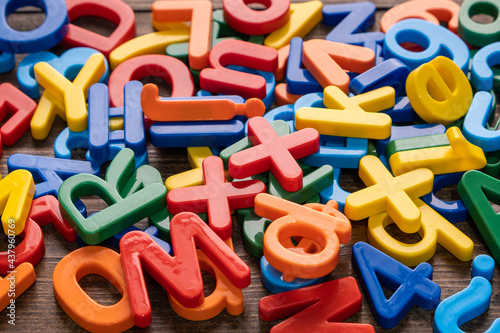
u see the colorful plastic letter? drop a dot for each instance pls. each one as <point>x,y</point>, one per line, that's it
<point>352,20</point>
<point>410,131</point>
<point>122,212</point>
<point>313,182</point>
<point>403,112</point>
<point>71,95</point>
<point>22,278</point>
<point>350,117</point>
<point>219,79</point>
<point>7,62</point>
<point>254,226</point>
<point>303,18</point>
<point>172,70</point>
<point>256,22</point>
<point>20,107</point>
<point>218,16</point>
<point>327,61</point>
<point>482,64</point>
<point>197,133</point>
<point>77,304</point>
<point>435,39</point>
<point>319,308</point>
<point>225,295</point>
<point>335,192</point>
<point>272,279</point>
<point>439,91</point>
<point>46,210</point>
<point>179,275</point>
<point>199,13</point>
<point>101,141</point>
<point>459,156</point>
<point>409,286</point>
<point>419,142</point>
<point>298,79</point>
<point>31,248</point>
<point>477,189</point>
<point>195,108</point>
<point>16,194</point>
<point>469,303</point>
<point>434,229</point>
<point>149,44</point>
<point>476,33</point>
<point>455,210</point>
<point>68,64</point>
<point>116,11</point>
<point>387,193</point>
<point>476,121</point>
<point>275,154</point>
<point>48,172</point>
<point>193,177</point>
<point>435,11</point>
<point>215,196</point>
<point>323,224</point>
<point>279,126</point>
<point>47,35</point>
<point>391,72</point>
<point>181,50</point>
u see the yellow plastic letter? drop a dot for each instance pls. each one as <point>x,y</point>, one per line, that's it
<point>350,117</point>
<point>153,43</point>
<point>435,229</point>
<point>193,177</point>
<point>460,155</point>
<point>70,94</point>
<point>387,193</point>
<point>16,194</point>
<point>439,91</point>
<point>303,18</point>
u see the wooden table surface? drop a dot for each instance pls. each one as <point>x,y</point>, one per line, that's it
<point>37,309</point>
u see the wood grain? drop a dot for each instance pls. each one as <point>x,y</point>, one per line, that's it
<point>37,309</point>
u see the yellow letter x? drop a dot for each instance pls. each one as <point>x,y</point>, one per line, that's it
<point>387,193</point>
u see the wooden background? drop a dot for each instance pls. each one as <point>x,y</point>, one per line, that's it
<point>37,309</point>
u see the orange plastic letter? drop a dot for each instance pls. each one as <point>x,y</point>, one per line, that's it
<point>200,14</point>
<point>15,284</point>
<point>327,61</point>
<point>86,312</point>
<point>323,224</point>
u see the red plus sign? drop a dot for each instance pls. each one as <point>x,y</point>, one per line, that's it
<point>273,153</point>
<point>215,197</point>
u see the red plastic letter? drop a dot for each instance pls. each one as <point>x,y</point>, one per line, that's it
<point>215,197</point>
<point>46,210</point>
<point>115,11</point>
<point>168,68</point>
<point>317,308</point>
<point>256,22</point>
<point>236,52</point>
<point>277,154</point>
<point>30,250</point>
<point>21,108</point>
<point>179,275</point>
